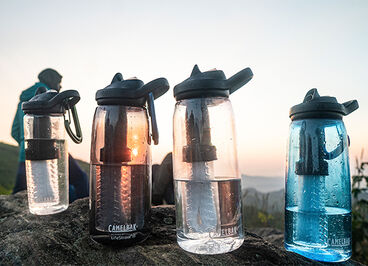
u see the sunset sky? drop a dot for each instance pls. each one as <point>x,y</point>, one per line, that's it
<point>291,46</point>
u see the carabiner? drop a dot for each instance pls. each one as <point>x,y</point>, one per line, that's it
<point>77,138</point>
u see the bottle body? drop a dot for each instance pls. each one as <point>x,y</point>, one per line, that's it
<point>318,190</point>
<point>207,181</point>
<point>46,164</point>
<point>120,185</point>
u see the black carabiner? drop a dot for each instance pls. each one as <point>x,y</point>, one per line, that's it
<point>152,113</point>
<point>77,138</point>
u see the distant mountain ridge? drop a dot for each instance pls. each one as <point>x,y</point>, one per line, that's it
<point>9,167</point>
<point>265,193</point>
<point>268,193</point>
<point>271,202</point>
<point>263,184</point>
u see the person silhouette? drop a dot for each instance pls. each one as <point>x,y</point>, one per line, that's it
<point>78,180</point>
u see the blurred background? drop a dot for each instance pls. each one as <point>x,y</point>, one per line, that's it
<point>291,46</point>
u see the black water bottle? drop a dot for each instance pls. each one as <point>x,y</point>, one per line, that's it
<point>120,187</point>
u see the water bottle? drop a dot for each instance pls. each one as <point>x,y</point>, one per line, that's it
<point>46,149</point>
<point>318,189</point>
<point>205,164</point>
<point>120,186</point>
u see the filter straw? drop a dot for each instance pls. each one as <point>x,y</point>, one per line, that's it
<point>45,179</point>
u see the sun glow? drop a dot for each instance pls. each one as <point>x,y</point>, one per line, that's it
<point>135,151</point>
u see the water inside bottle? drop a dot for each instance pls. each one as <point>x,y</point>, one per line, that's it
<point>329,239</point>
<point>122,199</point>
<point>47,183</point>
<point>209,215</point>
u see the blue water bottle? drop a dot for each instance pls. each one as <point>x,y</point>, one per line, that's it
<point>318,189</point>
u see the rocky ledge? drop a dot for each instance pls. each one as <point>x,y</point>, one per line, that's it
<point>60,239</point>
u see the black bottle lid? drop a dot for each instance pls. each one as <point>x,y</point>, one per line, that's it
<point>315,106</point>
<point>133,92</point>
<point>130,92</point>
<point>211,84</point>
<point>50,102</point>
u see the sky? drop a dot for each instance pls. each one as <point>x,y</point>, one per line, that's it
<point>291,47</point>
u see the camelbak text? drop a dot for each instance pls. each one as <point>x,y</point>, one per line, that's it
<point>339,242</point>
<point>121,228</point>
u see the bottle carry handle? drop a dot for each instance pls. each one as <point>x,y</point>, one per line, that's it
<point>69,99</point>
<point>72,96</point>
<point>350,106</point>
<point>336,152</point>
<point>77,138</point>
<point>157,87</point>
<point>239,79</point>
<point>153,90</point>
<point>152,114</point>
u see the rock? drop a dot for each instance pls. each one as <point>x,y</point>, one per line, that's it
<point>271,235</point>
<point>63,238</point>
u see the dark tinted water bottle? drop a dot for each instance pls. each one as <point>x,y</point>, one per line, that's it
<point>120,187</point>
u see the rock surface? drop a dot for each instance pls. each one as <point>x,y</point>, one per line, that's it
<point>60,239</point>
<point>271,235</point>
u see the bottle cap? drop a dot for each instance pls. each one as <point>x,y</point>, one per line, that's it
<point>133,92</point>
<point>50,102</point>
<point>211,84</point>
<point>130,92</point>
<point>315,106</point>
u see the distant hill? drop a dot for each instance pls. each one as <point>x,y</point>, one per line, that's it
<point>264,193</point>
<point>263,184</point>
<point>9,167</point>
<point>256,193</point>
<point>270,202</point>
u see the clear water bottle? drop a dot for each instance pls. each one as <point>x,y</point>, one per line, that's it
<point>207,179</point>
<point>120,187</point>
<point>318,189</point>
<point>46,150</point>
